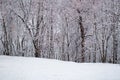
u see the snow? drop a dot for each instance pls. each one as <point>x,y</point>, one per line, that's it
<point>19,68</point>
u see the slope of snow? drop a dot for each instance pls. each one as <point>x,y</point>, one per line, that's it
<point>18,68</point>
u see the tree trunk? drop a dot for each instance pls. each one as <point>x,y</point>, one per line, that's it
<point>82,39</point>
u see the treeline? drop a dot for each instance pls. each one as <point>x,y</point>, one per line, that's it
<point>69,30</point>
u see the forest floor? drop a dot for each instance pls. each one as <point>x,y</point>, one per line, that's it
<point>19,68</point>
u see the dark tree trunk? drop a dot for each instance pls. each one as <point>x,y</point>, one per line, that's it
<point>82,39</point>
<point>5,42</point>
<point>37,49</point>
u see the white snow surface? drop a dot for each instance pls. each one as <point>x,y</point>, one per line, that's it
<point>19,68</point>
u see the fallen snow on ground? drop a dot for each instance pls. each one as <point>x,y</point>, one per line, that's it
<point>18,68</point>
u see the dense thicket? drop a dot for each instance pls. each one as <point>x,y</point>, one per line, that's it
<point>70,30</point>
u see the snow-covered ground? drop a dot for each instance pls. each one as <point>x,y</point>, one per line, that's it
<point>18,68</point>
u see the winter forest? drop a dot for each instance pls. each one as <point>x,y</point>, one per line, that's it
<point>68,30</point>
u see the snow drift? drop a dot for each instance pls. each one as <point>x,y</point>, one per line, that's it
<point>18,68</point>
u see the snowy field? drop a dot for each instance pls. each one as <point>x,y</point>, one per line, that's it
<point>18,68</point>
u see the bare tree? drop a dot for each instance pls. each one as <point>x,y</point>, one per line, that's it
<point>37,23</point>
